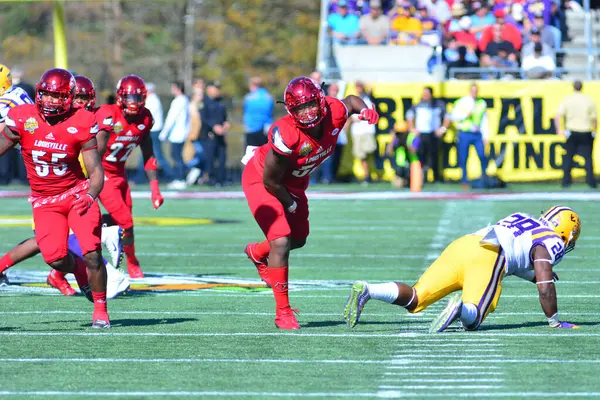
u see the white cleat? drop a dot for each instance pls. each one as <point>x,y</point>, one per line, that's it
<point>112,239</point>
<point>116,282</point>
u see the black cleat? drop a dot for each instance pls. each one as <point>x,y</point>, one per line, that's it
<point>4,280</point>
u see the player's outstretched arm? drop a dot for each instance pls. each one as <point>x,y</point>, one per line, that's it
<point>356,105</point>
<point>151,168</point>
<point>8,139</point>
<point>275,167</point>
<point>93,165</point>
<point>544,278</point>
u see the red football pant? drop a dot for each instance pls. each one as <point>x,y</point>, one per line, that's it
<point>269,213</point>
<point>52,223</point>
<point>116,198</point>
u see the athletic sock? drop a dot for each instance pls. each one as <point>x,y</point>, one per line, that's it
<point>58,274</point>
<point>80,273</point>
<point>279,284</point>
<point>262,249</point>
<point>100,306</point>
<point>130,254</point>
<point>6,262</point>
<point>387,292</point>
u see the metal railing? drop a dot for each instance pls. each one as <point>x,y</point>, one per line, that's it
<point>502,73</point>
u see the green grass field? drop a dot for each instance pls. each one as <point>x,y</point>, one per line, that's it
<point>221,342</point>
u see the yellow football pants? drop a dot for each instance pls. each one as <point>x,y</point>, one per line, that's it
<point>465,265</point>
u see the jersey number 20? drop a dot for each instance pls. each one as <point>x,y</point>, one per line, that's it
<point>115,148</point>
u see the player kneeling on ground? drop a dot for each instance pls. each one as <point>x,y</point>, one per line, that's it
<point>52,134</point>
<point>476,264</point>
<point>276,177</point>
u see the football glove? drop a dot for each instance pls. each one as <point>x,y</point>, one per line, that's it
<point>83,203</point>
<point>157,198</point>
<point>369,114</point>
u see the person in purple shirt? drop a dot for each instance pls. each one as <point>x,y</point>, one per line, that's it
<point>428,22</point>
<point>533,7</point>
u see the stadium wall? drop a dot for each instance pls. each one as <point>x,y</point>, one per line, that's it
<point>521,127</point>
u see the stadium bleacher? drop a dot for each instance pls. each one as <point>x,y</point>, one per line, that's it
<point>441,39</point>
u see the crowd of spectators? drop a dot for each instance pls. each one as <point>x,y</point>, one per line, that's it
<point>520,36</point>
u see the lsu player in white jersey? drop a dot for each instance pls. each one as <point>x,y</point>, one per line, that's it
<point>519,245</point>
<point>10,96</point>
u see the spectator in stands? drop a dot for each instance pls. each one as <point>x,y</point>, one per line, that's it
<point>451,53</point>
<point>581,122</point>
<point>464,37</point>
<point>499,52</point>
<point>176,129</point>
<point>481,19</point>
<point>438,10</point>
<point>375,27</point>
<point>385,5</point>
<point>470,116</point>
<point>515,15</point>
<point>509,33</point>
<point>425,120</point>
<point>431,36</point>
<point>550,35</point>
<point>538,65</point>
<point>529,45</point>
<point>258,113</point>
<point>406,28</point>
<point>458,11</point>
<point>462,62</point>
<point>344,27</point>
<point>363,134</point>
<point>543,8</point>
<point>558,19</point>
<point>350,4</point>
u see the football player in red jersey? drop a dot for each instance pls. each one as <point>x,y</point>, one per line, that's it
<point>85,97</point>
<point>123,126</point>
<point>52,134</point>
<point>277,174</point>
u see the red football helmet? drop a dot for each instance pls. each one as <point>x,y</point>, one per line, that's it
<point>131,94</point>
<point>85,93</point>
<point>304,100</point>
<point>55,92</point>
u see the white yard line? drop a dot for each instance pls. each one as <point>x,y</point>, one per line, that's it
<point>440,373</point>
<point>159,394</point>
<point>187,360</point>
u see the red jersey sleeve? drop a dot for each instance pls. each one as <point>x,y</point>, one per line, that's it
<point>87,126</point>
<point>339,111</point>
<point>104,118</point>
<point>14,121</point>
<point>284,138</point>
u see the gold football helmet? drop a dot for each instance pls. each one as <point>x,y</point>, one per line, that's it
<point>565,222</point>
<point>5,79</point>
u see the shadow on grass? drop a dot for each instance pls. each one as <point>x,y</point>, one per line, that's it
<point>321,324</point>
<point>497,327</point>
<point>146,321</point>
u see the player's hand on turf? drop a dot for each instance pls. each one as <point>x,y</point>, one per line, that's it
<point>369,114</point>
<point>564,325</point>
<point>83,203</point>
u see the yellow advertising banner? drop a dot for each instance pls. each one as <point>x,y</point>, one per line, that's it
<point>520,115</point>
